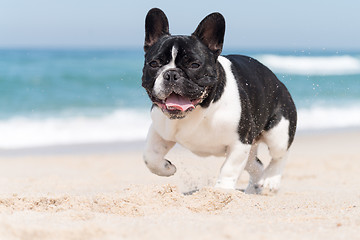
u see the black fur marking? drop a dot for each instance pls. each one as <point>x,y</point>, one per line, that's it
<point>211,31</point>
<point>193,82</point>
<point>217,90</point>
<point>264,99</point>
<point>156,26</point>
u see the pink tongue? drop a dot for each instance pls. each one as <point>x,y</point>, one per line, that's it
<point>178,102</point>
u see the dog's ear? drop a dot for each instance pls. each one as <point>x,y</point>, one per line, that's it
<point>156,26</point>
<point>211,31</point>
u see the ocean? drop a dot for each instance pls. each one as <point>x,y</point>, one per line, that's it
<point>75,96</point>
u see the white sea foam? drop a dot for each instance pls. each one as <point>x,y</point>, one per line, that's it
<point>122,125</point>
<point>317,118</point>
<point>331,65</point>
<point>127,125</point>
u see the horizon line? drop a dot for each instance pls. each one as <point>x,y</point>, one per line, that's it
<point>226,49</point>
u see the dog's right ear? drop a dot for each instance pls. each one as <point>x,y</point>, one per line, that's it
<point>156,26</point>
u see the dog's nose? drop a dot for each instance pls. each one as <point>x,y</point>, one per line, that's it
<point>171,75</point>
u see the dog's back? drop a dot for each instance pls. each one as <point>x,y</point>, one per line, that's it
<point>265,98</point>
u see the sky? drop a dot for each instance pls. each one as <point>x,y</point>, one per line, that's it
<point>253,24</point>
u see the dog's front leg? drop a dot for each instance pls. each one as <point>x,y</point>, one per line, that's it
<point>235,162</point>
<point>155,150</point>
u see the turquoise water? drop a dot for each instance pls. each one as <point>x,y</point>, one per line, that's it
<point>335,91</point>
<point>55,82</point>
<point>96,95</point>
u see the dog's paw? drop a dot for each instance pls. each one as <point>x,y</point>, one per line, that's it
<point>225,183</point>
<point>165,169</point>
<point>271,184</point>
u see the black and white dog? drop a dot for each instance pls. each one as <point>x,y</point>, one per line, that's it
<point>214,105</point>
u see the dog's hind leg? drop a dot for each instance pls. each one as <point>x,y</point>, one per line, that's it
<point>255,169</point>
<point>236,158</point>
<point>277,140</point>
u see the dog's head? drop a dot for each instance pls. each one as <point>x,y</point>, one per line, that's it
<point>180,71</point>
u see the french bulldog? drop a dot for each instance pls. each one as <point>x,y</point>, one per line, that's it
<point>214,105</point>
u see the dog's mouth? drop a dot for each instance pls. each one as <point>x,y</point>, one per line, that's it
<point>177,103</point>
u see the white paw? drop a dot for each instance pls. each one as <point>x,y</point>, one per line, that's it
<point>225,183</point>
<point>165,169</point>
<point>271,183</point>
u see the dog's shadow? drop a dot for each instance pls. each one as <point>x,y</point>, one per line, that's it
<point>191,192</point>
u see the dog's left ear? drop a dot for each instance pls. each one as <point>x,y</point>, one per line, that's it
<point>156,26</point>
<point>211,31</point>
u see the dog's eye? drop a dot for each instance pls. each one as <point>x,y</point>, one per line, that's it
<point>154,64</point>
<point>194,65</point>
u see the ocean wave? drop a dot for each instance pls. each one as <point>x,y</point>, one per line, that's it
<point>121,125</point>
<point>132,125</point>
<point>319,118</point>
<point>301,65</point>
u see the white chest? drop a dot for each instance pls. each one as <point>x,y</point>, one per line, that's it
<point>205,131</point>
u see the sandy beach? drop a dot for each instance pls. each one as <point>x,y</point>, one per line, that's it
<point>110,194</point>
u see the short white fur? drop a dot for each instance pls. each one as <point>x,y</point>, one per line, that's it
<point>159,82</point>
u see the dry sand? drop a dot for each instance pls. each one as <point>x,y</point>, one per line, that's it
<point>114,196</point>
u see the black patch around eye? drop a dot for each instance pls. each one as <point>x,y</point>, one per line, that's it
<point>154,64</point>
